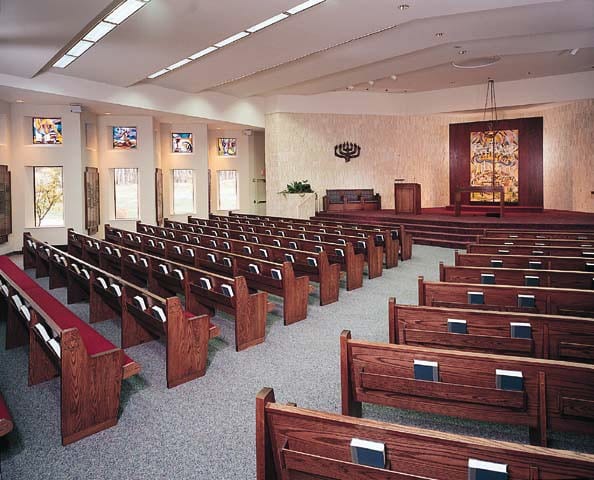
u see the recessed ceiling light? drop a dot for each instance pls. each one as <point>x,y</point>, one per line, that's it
<point>439,34</point>
<point>20,101</point>
<point>181,63</point>
<point>462,52</point>
<point>393,77</point>
<point>574,51</point>
<point>404,6</point>
<point>267,23</point>
<point>80,48</point>
<point>371,82</point>
<point>125,10</point>
<point>107,113</point>
<point>158,74</point>
<point>99,31</point>
<point>201,53</point>
<point>64,61</point>
<point>351,87</point>
<point>304,6</point>
<point>231,39</point>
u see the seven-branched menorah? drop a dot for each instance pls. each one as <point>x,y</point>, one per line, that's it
<point>347,151</point>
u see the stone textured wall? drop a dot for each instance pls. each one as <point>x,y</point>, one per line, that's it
<point>300,146</point>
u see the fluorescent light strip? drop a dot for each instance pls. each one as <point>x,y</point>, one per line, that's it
<point>80,48</point>
<point>238,36</point>
<point>231,39</point>
<point>201,53</point>
<point>64,61</point>
<point>99,31</point>
<point>267,23</point>
<point>125,10</point>
<point>304,6</point>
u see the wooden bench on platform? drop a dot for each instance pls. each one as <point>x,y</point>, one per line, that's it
<point>168,278</point>
<point>144,315</point>
<point>586,252</point>
<point>91,368</point>
<point>551,301</point>
<point>6,423</point>
<point>299,444</point>
<point>538,242</point>
<point>516,276</point>
<point>534,262</point>
<point>505,333</point>
<point>348,199</point>
<point>540,394</point>
<point>538,234</point>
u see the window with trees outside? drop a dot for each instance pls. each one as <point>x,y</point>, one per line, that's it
<point>126,193</point>
<point>183,191</point>
<point>228,195</point>
<point>49,196</point>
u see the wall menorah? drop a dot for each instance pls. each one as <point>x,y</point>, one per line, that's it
<point>347,151</point>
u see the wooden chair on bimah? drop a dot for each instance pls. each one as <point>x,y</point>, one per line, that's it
<point>346,200</point>
<point>539,394</point>
<point>145,316</point>
<point>504,333</point>
<point>91,368</point>
<point>298,444</point>
<point>508,298</point>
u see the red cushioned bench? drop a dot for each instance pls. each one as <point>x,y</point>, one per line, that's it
<point>5,418</point>
<point>90,367</point>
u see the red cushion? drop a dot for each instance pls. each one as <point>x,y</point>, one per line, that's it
<point>17,275</point>
<point>4,412</point>
<point>59,313</point>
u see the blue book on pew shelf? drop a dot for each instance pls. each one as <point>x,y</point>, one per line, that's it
<point>365,452</point>
<point>531,281</point>
<point>226,245</point>
<point>488,278</point>
<point>268,232</point>
<point>276,274</point>
<point>509,380</point>
<point>247,249</point>
<point>526,301</point>
<point>211,257</point>
<point>213,243</point>
<point>497,263</point>
<point>289,257</point>
<point>535,265</point>
<point>339,252</point>
<point>481,470</point>
<point>253,268</point>
<point>256,239</point>
<point>379,238</point>
<point>589,267</point>
<point>263,253</point>
<point>302,236</point>
<point>276,242</point>
<point>243,238</point>
<point>537,252</point>
<point>341,241</point>
<point>426,370</point>
<point>520,330</point>
<point>312,262</point>
<point>225,234</point>
<point>457,326</point>
<point>318,248</point>
<point>476,298</point>
<point>293,245</point>
<point>361,244</point>
<point>205,283</point>
<point>227,262</point>
<point>503,251</point>
<point>395,234</point>
<point>227,290</point>
<point>317,238</point>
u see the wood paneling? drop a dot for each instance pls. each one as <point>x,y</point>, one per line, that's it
<point>5,204</point>
<point>531,157</point>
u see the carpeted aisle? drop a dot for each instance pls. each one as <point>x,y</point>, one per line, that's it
<point>205,429</point>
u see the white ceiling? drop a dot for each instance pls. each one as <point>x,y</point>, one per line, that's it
<point>327,48</point>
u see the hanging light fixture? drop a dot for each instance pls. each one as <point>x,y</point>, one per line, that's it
<point>491,110</point>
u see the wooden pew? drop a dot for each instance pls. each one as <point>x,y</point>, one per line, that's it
<point>552,301</point>
<point>351,261</point>
<point>299,444</point>
<point>538,234</point>
<point>523,261</point>
<point>6,423</point>
<point>531,250</point>
<point>379,242</point>
<point>324,272</point>
<point>112,297</point>
<point>554,395</point>
<point>515,276</point>
<point>550,336</point>
<point>249,309</point>
<point>536,242</point>
<point>91,368</point>
<point>398,230</point>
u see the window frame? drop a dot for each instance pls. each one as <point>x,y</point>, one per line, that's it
<point>115,199</point>
<point>219,190</point>
<point>192,176</point>
<point>61,167</point>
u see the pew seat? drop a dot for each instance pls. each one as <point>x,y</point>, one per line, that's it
<point>6,423</point>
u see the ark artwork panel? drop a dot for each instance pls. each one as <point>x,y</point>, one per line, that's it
<point>496,151</point>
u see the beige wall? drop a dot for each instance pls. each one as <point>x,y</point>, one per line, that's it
<point>300,146</point>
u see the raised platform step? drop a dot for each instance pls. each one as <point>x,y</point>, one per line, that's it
<point>440,242</point>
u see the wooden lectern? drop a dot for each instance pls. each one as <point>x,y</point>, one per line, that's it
<point>407,197</point>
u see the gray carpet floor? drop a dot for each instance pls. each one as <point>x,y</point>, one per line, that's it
<point>205,429</point>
